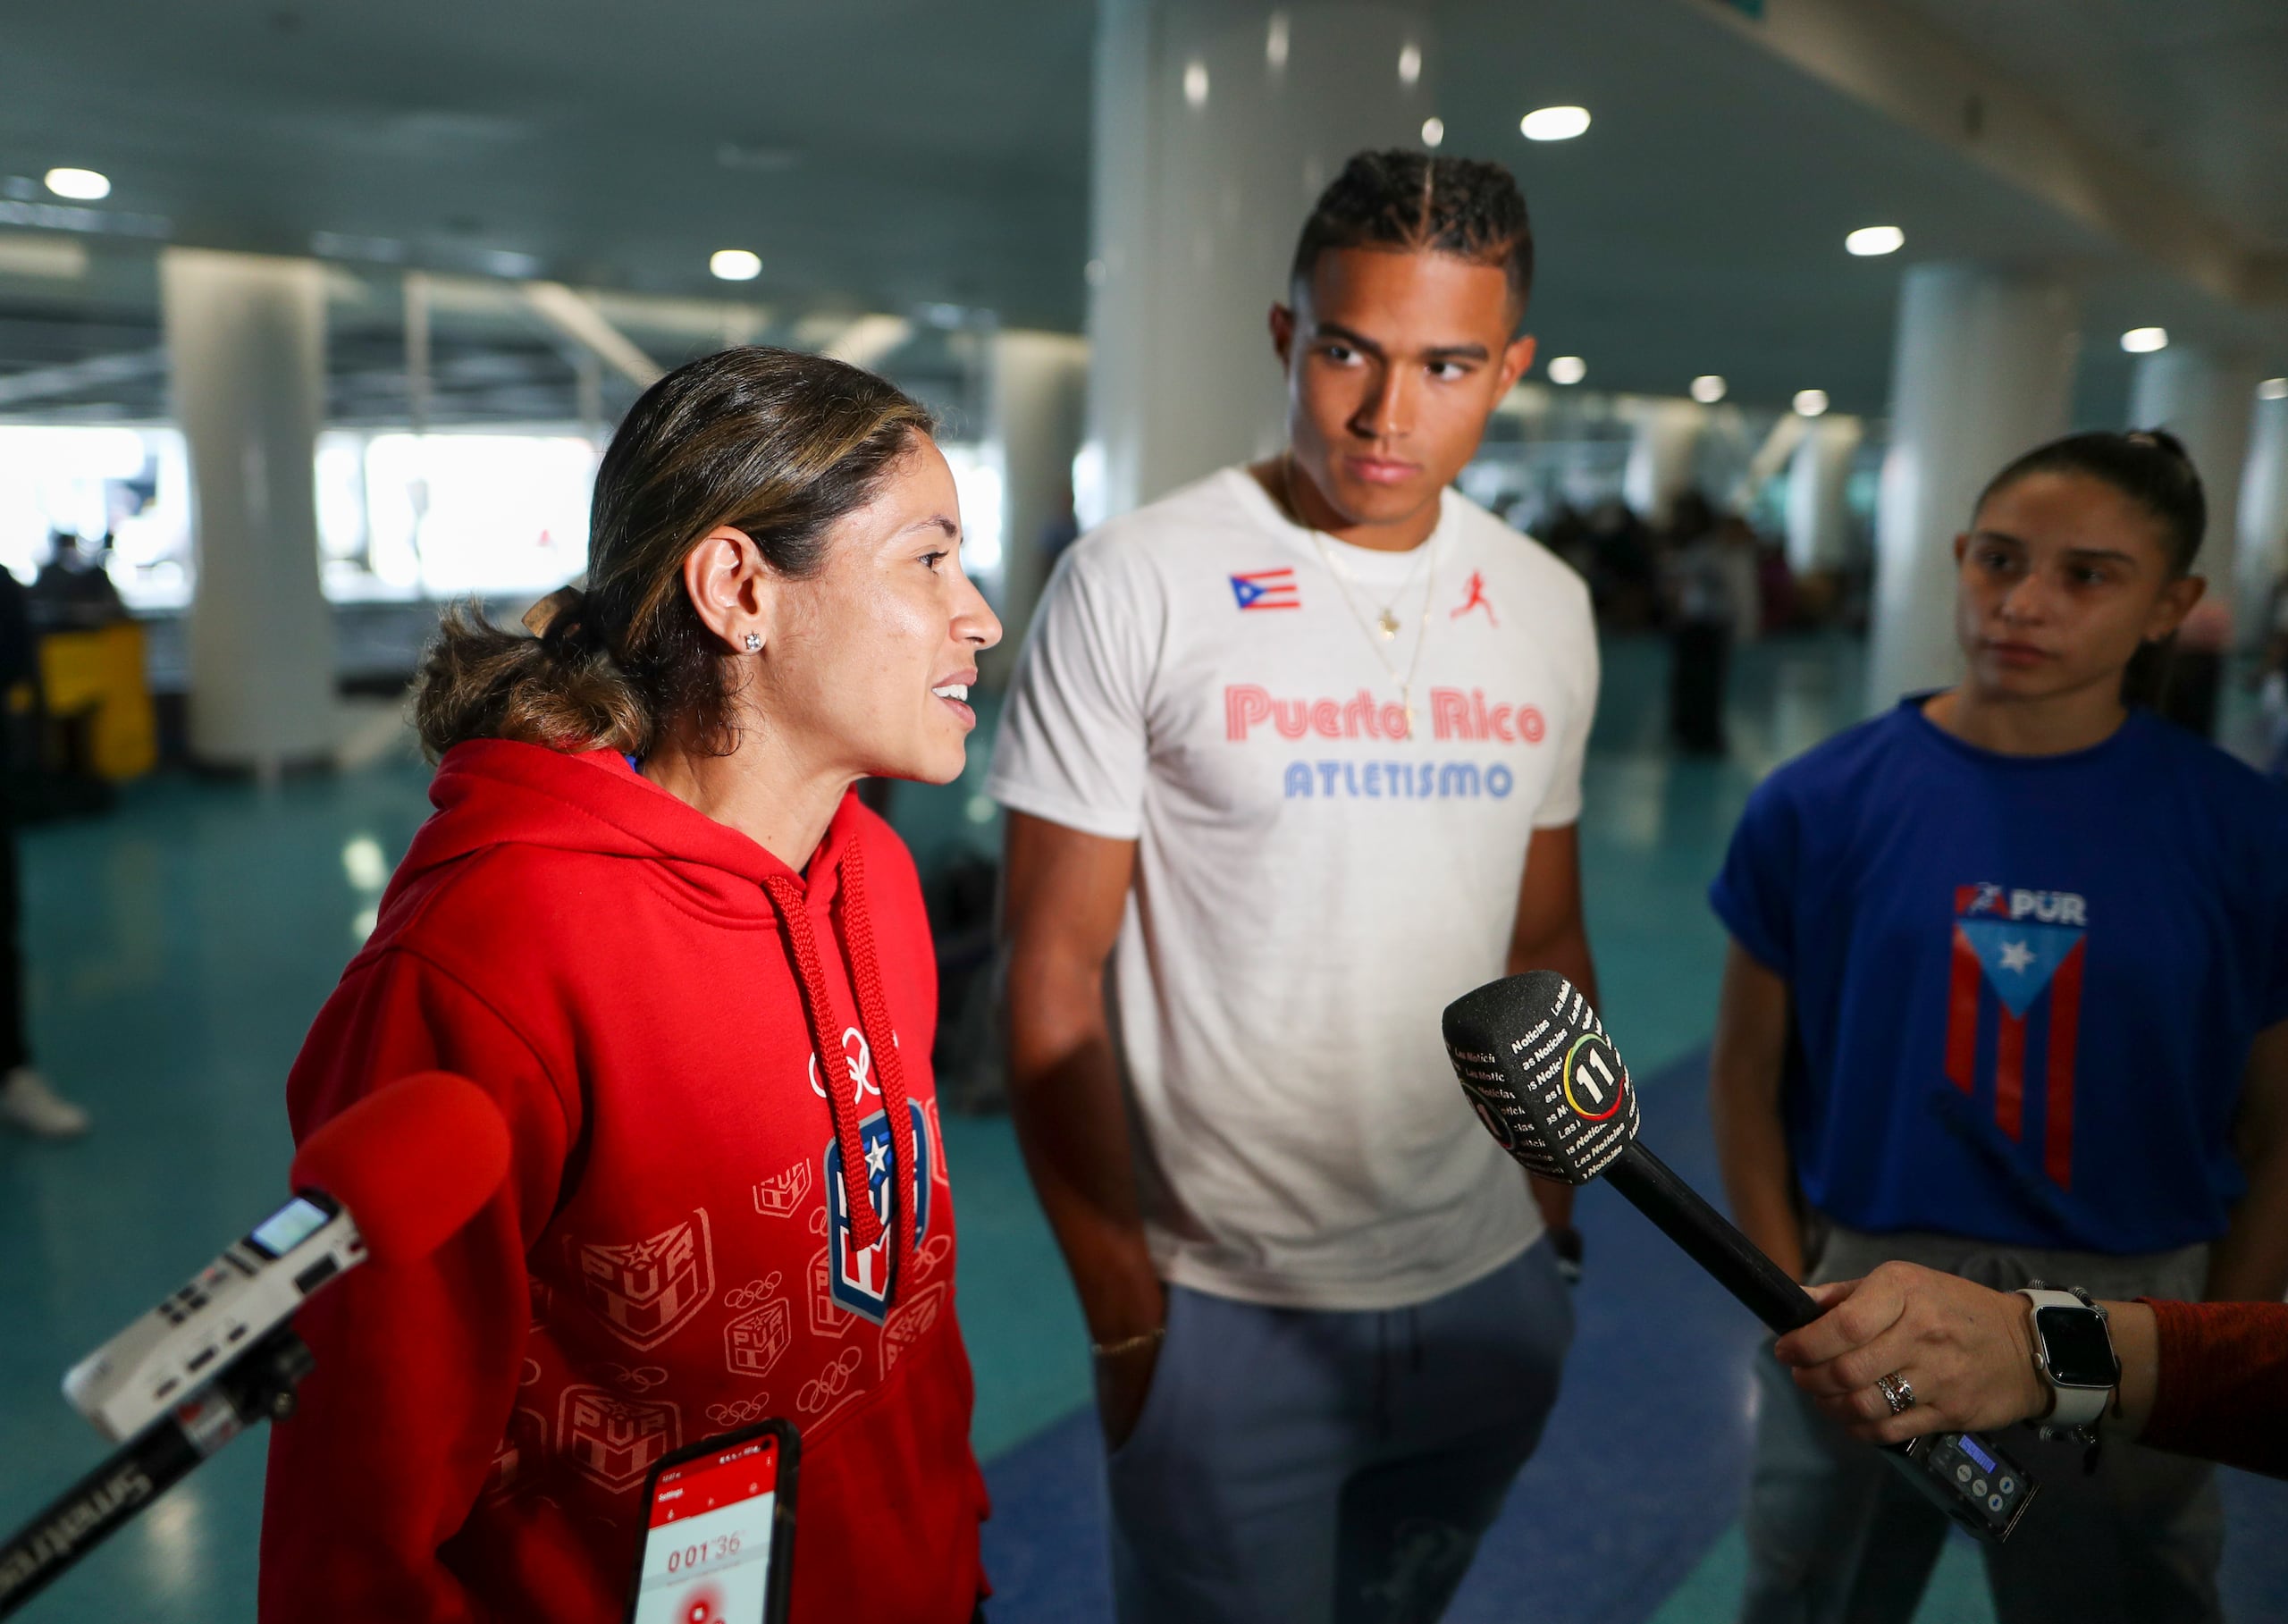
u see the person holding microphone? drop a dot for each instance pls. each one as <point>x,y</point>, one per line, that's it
<point>650,919</point>
<point>2205,1379</point>
<point>2007,997</point>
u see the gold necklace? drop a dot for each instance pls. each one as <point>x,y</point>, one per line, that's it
<point>1387,623</point>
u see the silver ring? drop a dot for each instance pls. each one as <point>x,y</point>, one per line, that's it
<point>1897,1392</point>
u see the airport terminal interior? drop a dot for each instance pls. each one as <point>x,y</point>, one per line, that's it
<point>1809,270</point>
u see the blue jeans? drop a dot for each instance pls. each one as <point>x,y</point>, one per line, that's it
<point>1308,1466</point>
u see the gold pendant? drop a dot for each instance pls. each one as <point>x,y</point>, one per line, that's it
<point>1388,623</point>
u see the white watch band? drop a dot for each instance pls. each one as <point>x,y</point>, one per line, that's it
<point>2072,1406</point>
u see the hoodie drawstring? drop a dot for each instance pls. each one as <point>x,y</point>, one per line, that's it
<point>881,1038</point>
<point>787,896</point>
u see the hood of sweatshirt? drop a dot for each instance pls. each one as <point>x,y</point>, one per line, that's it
<point>492,793</point>
<point>496,792</point>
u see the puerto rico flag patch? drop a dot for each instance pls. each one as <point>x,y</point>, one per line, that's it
<point>1267,589</point>
<point>859,1280</point>
<point>2013,1009</point>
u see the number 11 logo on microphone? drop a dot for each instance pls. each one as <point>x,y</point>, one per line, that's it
<point>1594,1079</point>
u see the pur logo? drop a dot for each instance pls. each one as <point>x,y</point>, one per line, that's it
<point>1991,901</point>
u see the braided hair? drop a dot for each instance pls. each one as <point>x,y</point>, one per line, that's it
<point>1410,202</point>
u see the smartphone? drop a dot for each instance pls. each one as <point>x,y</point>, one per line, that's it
<point>719,1531</point>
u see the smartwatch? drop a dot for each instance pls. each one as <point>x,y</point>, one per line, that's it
<point>2074,1354</point>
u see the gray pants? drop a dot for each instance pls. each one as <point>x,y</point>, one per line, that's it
<point>1303,1466</point>
<point>1836,1536</point>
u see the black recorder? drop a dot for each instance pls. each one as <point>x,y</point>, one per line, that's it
<point>1549,1085</point>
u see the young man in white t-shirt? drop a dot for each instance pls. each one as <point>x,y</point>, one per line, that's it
<point>1295,754</point>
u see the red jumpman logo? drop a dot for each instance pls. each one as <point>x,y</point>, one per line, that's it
<point>1477,600</point>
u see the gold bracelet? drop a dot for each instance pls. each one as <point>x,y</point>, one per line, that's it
<point>1128,1344</point>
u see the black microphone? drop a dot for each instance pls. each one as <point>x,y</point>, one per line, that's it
<point>1548,1084</point>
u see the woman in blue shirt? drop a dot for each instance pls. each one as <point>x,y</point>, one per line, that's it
<point>2008,997</point>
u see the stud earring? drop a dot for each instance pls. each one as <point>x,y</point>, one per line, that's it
<point>754,643</point>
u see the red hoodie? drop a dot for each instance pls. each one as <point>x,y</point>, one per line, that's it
<point>707,1064</point>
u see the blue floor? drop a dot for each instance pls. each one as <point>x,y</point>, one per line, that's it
<point>180,947</point>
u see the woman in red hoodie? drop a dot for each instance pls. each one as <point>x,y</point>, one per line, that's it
<point>649,919</point>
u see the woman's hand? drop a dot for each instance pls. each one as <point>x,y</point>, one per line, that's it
<point>1965,1350</point>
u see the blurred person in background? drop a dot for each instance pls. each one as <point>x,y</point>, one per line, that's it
<point>1700,584</point>
<point>2007,997</point>
<point>649,919</point>
<point>28,1103</point>
<point>1327,1314</point>
<point>2204,1379</point>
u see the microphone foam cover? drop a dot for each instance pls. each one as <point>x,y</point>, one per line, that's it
<point>1546,1081</point>
<point>413,1162</point>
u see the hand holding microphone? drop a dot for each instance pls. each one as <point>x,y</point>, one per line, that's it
<point>1548,1084</point>
<point>391,1179</point>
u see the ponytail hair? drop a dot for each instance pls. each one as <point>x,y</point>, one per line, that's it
<point>774,443</point>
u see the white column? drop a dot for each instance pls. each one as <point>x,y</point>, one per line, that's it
<point>2207,401</point>
<point>2264,515</point>
<point>1217,124</point>
<point>1036,393</point>
<point>1819,534</point>
<point>246,350</point>
<point>1981,370</point>
<point>1662,448</point>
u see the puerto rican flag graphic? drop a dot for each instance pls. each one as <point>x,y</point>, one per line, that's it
<point>2013,1009</point>
<point>1267,589</point>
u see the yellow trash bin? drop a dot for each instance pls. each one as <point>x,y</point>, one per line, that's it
<point>100,673</point>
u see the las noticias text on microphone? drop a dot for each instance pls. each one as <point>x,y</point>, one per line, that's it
<point>2204,1379</point>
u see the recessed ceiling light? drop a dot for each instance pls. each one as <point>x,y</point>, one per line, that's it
<point>735,265</point>
<point>1568,369</point>
<point>2145,340</point>
<point>1870,240</point>
<point>1810,402</point>
<point>85,184</point>
<point>2273,389</point>
<point>1195,83</point>
<point>1433,132</point>
<point>1554,123</point>
<point>1409,64</point>
<point>1708,389</point>
<point>1275,43</point>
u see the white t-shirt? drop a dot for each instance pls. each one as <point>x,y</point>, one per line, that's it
<point>1313,887</point>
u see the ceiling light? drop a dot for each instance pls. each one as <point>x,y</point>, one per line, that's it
<point>1195,83</point>
<point>1708,389</point>
<point>735,265</point>
<point>1568,369</point>
<point>1810,402</point>
<point>1409,64</point>
<point>2273,389</point>
<point>2145,340</point>
<point>85,184</point>
<point>1275,43</point>
<point>1433,132</point>
<point>1870,240</point>
<point>1554,123</point>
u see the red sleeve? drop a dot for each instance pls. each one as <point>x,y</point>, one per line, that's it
<point>2221,1390</point>
<point>416,1364</point>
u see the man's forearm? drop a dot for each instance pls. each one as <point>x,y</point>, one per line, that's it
<point>1071,1122</point>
